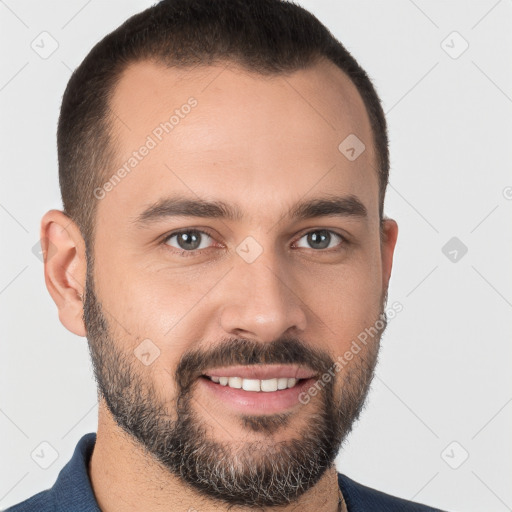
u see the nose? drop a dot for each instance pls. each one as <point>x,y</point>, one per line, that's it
<point>262,300</point>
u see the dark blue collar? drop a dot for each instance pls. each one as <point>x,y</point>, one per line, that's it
<point>73,490</point>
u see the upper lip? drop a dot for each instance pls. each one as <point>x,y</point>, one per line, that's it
<point>262,372</point>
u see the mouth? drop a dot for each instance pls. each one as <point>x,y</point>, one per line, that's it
<point>256,385</point>
<point>258,389</point>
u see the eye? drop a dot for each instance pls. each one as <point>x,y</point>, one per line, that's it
<point>188,241</point>
<point>322,238</point>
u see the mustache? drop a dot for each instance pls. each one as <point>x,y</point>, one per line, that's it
<point>241,351</point>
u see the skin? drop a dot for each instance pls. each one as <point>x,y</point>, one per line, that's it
<point>263,143</point>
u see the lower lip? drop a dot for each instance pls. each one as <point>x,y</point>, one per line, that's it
<point>257,402</point>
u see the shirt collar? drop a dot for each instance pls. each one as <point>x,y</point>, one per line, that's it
<point>73,490</point>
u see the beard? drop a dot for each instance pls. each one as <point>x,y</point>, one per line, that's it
<point>261,473</point>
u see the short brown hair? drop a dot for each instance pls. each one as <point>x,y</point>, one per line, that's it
<point>264,36</point>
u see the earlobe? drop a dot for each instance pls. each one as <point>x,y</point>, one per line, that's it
<point>65,267</point>
<point>388,243</point>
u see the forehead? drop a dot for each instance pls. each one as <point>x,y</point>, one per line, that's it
<point>222,132</point>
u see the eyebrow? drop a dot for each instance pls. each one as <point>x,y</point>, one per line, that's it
<point>179,206</point>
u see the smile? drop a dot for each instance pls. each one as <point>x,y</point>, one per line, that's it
<point>254,396</point>
<point>266,385</point>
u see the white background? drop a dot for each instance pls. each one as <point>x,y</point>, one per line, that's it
<point>445,368</point>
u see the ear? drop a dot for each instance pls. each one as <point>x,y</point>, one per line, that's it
<point>65,267</point>
<point>389,235</point>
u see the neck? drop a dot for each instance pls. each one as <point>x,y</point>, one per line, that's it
<point>125,478</point>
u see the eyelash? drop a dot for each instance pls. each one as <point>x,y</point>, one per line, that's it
<point>197,252</point>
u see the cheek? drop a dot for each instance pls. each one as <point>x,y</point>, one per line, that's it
<point>348,301</point>
<point>150,322</point>
<point>161,304</point>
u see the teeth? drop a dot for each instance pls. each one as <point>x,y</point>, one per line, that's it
<point>269,385</point>
<point>235,382</point>
<point>251,385</point>
<point>266,385</point>
<point>282,383</point>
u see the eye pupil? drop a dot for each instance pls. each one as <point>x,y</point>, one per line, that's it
<point>322,238</point>
<point>189,240</point>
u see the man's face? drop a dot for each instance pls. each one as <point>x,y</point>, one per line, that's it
<point>267,289</point>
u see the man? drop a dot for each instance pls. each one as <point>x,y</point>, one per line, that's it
<point>223,167</point>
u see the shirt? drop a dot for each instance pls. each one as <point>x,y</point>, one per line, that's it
<point>72,491</point>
